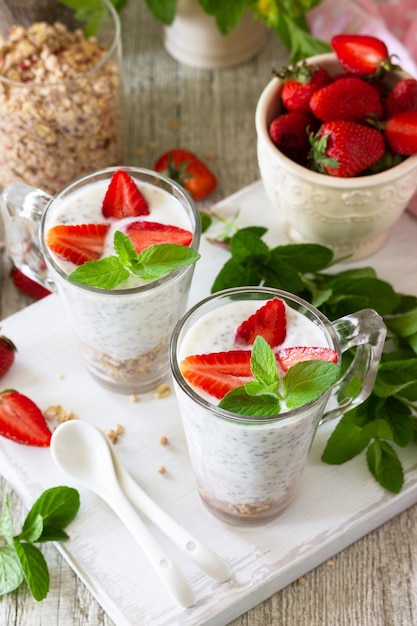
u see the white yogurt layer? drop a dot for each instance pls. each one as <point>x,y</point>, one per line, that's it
<point>246,470</point>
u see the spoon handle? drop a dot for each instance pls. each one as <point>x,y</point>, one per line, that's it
<point>203,557</point>
<point>171,577</point>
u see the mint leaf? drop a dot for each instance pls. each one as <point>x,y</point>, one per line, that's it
<point>263,363</point>
<point>11,572</point>
<point>124,248</point>
<point>105,273</point>
<point>163,10</point>
<point>395,377</point>
<point>239,401</point>
<point>32,530</point>
<point>385,466</point>
<point>308,380</point>
<point>346,441</point>
<point>6,522</point>
<point>57,507</point>
<point>34,569</point>
<point>158,260</point>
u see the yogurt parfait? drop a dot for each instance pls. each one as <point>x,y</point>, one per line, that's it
<point>247,466</point>
<point>124,292</point>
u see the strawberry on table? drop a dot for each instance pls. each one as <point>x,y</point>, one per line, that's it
<point>402,97</point>
<point>145,234</point>
<point>123,198</point>
<point>362,55</point>
<point>344,148</point>
<point>290,134</point>
<point>22,421</point>
<point>288,357</point>
<point>28,286</point>
<point>269,321</point>
<point>348,98</point>
<point>188,170</point>
<point>7,355</point>
<point>401,132</point>
<point>217,373</point>
<point>77,243</point>
<point>301,81</point>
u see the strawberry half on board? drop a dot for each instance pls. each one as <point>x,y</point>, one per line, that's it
<point>217,373</point>
<point>288,357</point>
<point>269,321</point>
<point>7,355</point>
<point>22,420</point>
<point>28,286</point>
<point>145,234</point>
<point>77,243</point>
<point>123,198</point>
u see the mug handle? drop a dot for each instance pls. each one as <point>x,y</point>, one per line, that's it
<point>22,207</point>
<point>365,331</point>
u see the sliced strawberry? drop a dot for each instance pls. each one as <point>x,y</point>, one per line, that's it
<point>145,234</point>
<point>287,357</point>
<point>269,322</point>
<point>77,243</point>
<point>28,286</point>
<point>22,420</point>
<point>123,198</point>
<point>218,373</point>
<point>7,354</point>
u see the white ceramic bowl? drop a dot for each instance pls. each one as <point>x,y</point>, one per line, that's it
<point>351,215</point>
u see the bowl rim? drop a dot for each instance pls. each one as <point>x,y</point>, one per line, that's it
<point>261,124</point>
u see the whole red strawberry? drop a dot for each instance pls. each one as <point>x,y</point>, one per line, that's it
<point>345,148</point>
<point>301,81</point>
<point>7,354</point>
<point>347,98</point>
<point>28,286</point>
<point>402,97</point>
<point>290,133</point>
<point>401,132</point>
<point>362,55</point>
<point>188,170</point>
<point>22,420</point>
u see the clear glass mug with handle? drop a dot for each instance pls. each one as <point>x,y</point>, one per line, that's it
<point>247,468</point>
<point>123,333</point>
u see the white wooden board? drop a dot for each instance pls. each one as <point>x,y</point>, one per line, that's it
<point>333,508</point>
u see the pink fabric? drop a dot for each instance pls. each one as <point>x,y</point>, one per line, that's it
<point>393,21</point>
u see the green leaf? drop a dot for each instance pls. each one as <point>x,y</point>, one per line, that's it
<point>32,530</point>
<point>239,401</point>
<point>263,363</point>
<point>57,507</point>
<point>124,248</point>
<point>395,376</point>
<point>400,419</point>
<point>163,10</point>
<point>158,260</point>
<point>385,466</point>
<point>106,273</point>
<point>34,568</point>
<point>308,380</point>
<point>206,221</point>
<point>236,274</point>
<point>379,294</point>
<point>6,522</point>
<point>246,243</point>
<point>11,572</point>
<point>346,441</point>
<point>227,14</point>
<point>304,257</point>
<point>404,324</point>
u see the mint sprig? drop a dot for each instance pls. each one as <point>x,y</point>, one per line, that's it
<point>304,382</point>
<point>21,560</point>
<point>150,264</point>
<point>389,417</point>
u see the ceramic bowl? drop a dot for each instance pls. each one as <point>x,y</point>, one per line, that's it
<point>352,216</point>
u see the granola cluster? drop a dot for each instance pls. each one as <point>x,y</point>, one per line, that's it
<point>60,106</point>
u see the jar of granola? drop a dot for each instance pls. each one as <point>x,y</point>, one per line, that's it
<point>60,94</point>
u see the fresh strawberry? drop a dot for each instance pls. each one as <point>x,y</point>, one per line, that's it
<point>77,243</point>
<point>401,132</point>
<point>362,55</point>
<point>28,286</point>
<point>301,81</point>
<point>269,321</point>
<point>348,98</point>
<point>218,373</point>
<point>7,354</point>
<point>290,133</point>
<point>402,97</point>
<point>123,198</point>
<point>188,170</point>
<point>287,357</point>
<point>344,148</point>
<point>22,420</point>
<point>146,234</point>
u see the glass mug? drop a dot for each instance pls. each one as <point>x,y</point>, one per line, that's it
<point>247,469</point>
<point>123,334</point>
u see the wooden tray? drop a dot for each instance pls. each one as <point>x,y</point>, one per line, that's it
<point>334,506</point>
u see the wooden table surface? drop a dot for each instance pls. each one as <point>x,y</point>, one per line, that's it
<point>374,581</point>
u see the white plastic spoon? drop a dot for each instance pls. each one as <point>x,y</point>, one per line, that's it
<point>82,452</point>
<point>202,556</point>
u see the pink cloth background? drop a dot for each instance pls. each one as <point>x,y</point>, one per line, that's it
<point>393,21</point>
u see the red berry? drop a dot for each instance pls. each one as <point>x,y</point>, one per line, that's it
<point>28,286</point>
<point>7,355</point>
<point>348,98</point>
<point>77,243</point>
<point>123,198</point>
<point>290,133</point>
<point>189,171</point>
<point>401,132</point>
<point>145,234</point>
<point>300,84</point>
<point>402,97</point>
<point>288,357</point>
<point>22,420</point>
<point>269,321</point>
<point>361,55</point>
<point>218,373</point>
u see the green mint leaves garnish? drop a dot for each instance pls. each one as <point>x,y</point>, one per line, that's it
<point>304,382</point>
<point>150,264</point>
<point>389,417</point>
<point>21,560</point>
